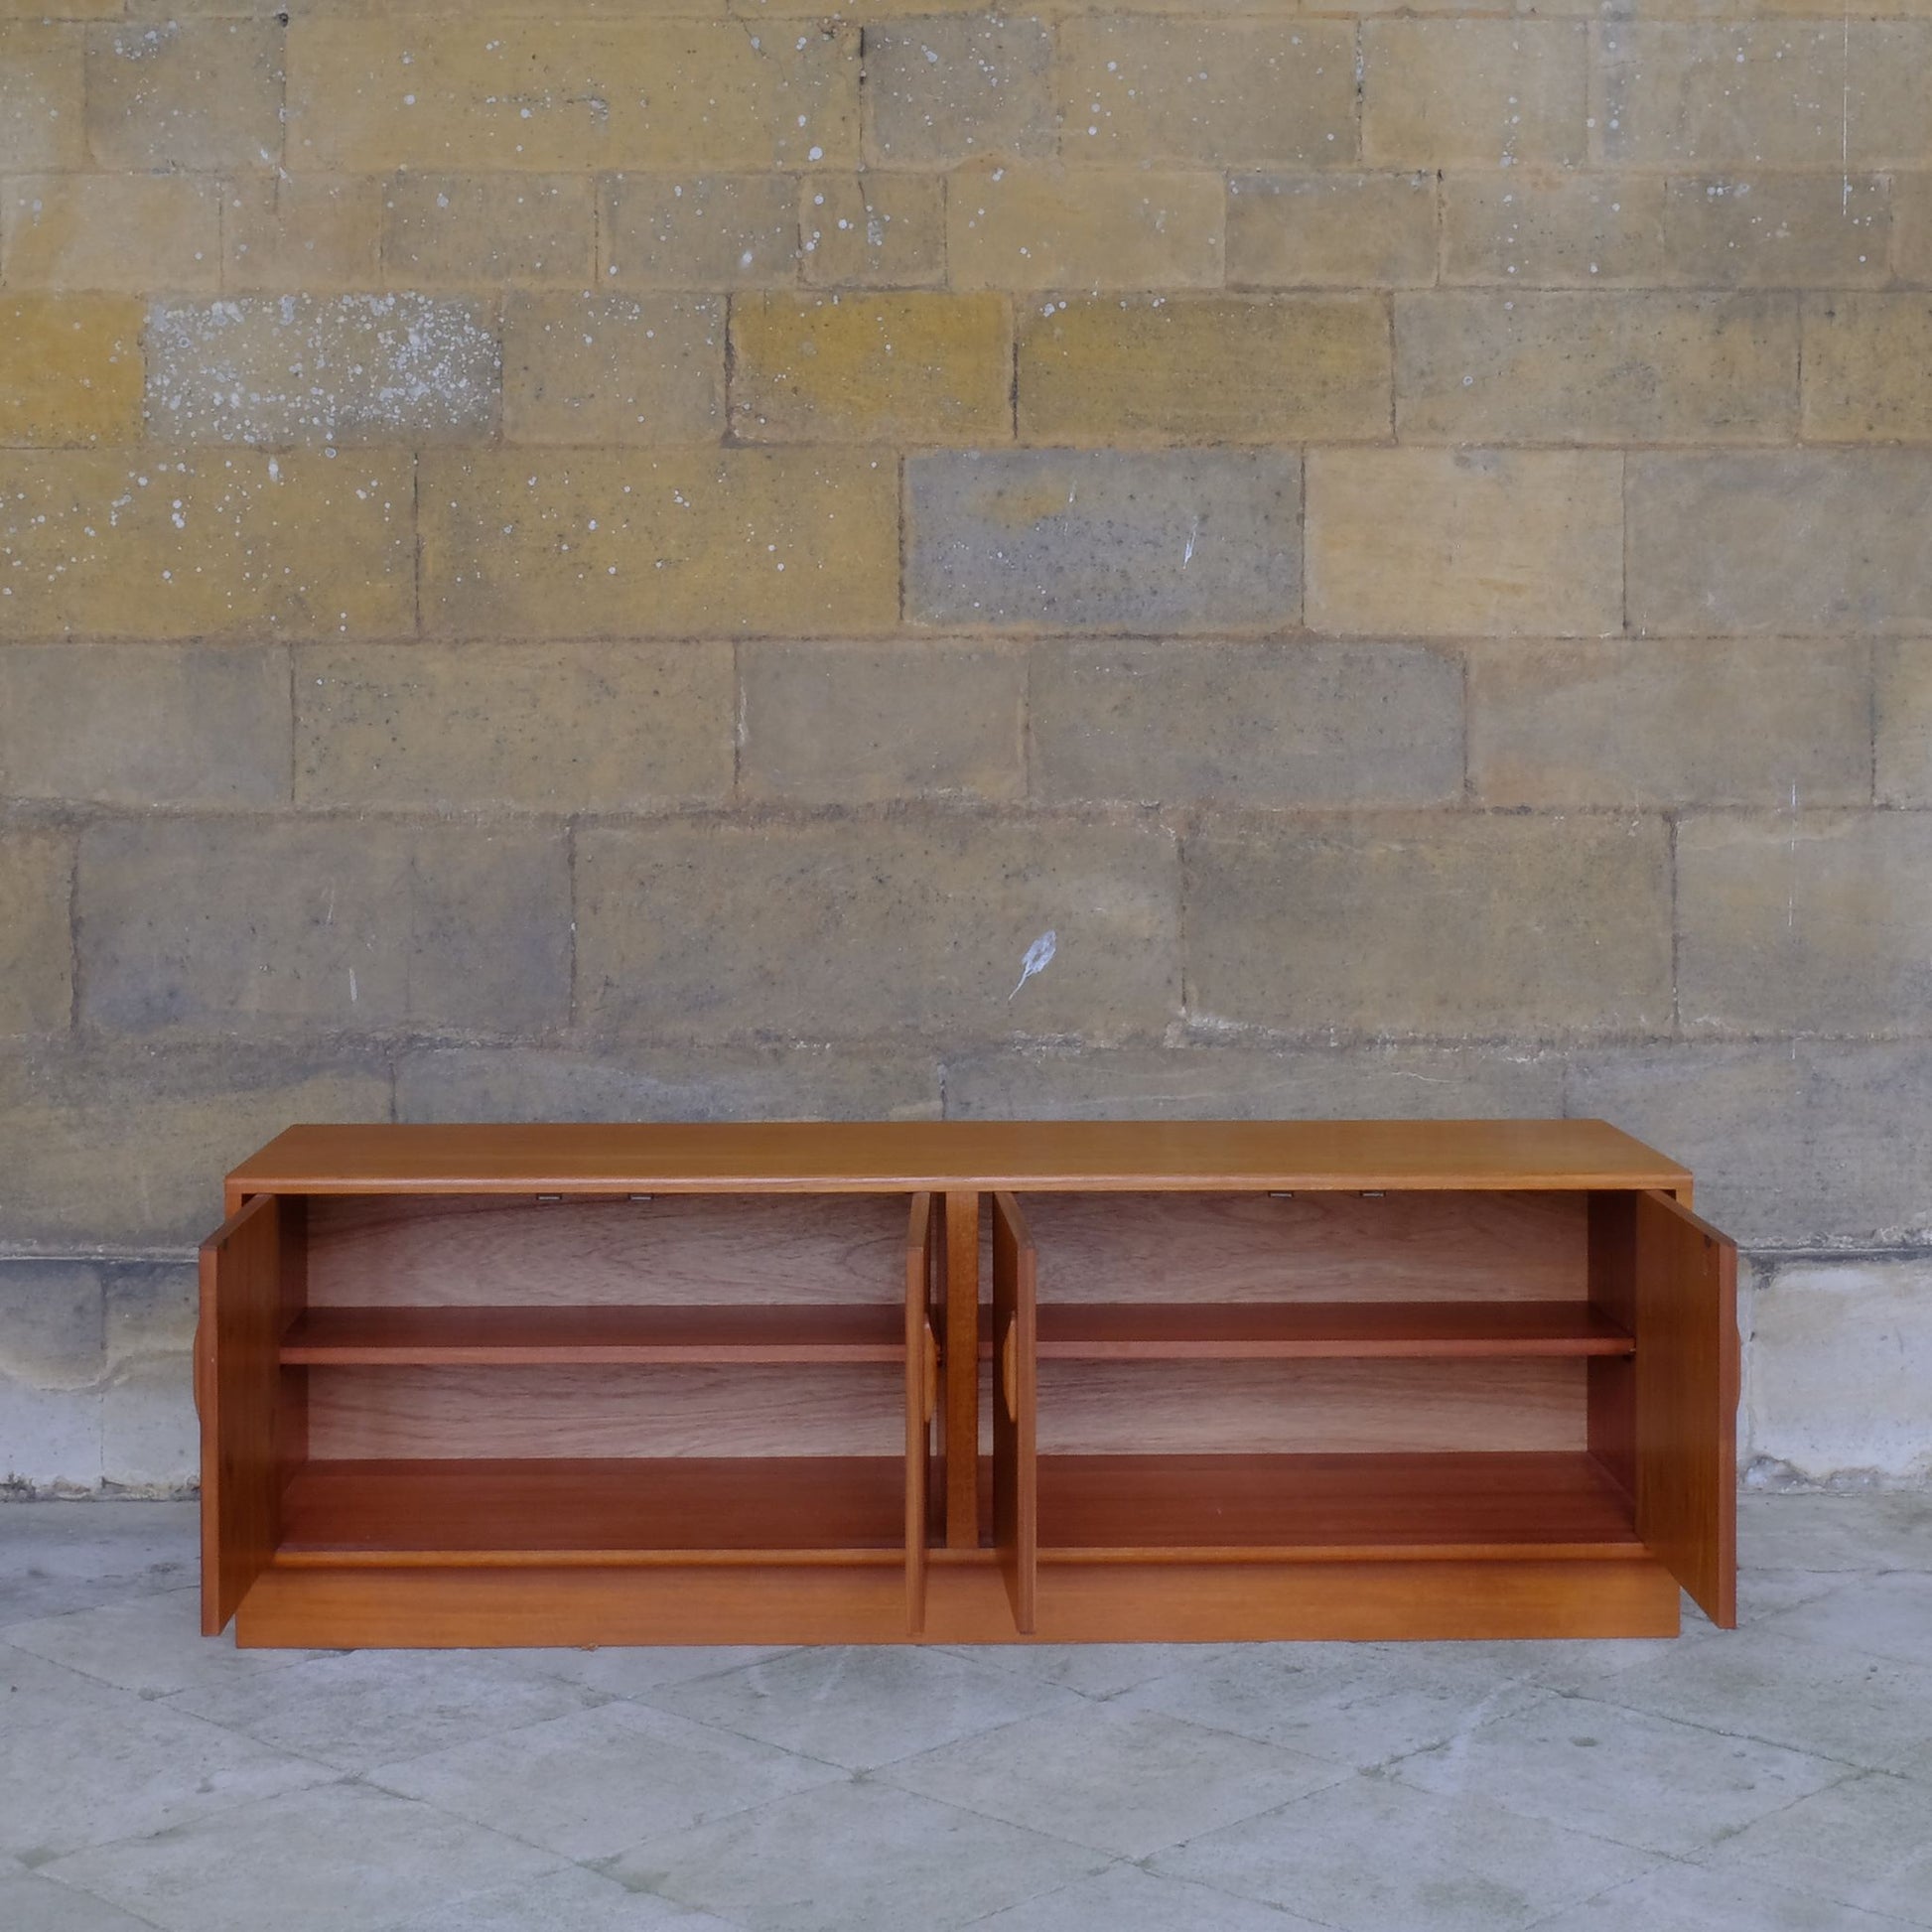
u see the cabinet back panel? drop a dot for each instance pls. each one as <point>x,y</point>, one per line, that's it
<point>1254,1408</point>
<point>444,1250</point>
<point>838,1409</point>
<point>1399,1247</point>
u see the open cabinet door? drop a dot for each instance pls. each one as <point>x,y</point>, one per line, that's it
<point>921,1392</point>
<point>1016,1485</point>
<point>1687,1401</point>
<point>237,1372</point>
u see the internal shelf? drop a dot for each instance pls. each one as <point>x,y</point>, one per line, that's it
<point>1170,1331</point>
<point>1332,1508</point>
<point>523,1337</point>
<point>545,1510</point>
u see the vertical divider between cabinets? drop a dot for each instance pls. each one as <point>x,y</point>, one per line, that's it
<point>921,1377</point>
<point>962,1373</point>
<point>1015,1472</point>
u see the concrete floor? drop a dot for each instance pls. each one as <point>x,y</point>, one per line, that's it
<point>1779,1779</point>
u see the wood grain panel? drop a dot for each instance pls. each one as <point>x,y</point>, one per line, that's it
<point>452,1250</point>
<point>1687,1401</point>
<point>238,1379</point>
<point>606,1412</point>
<point>1016,1486</point>
<point>963,1379</point>
<point>1116,1408</point>
<point>920,1367</point>
<point>1317,1247</point>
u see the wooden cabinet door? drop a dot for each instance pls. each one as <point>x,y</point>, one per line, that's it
<point>923,1274</point>
<point>1016,1485</point>
<point>1685,1398</point>
<point>237,1372</point>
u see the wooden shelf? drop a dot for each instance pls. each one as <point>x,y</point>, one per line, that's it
<point>609,1511</point>
<point>1332,1508</point>
<point>538,1335</point>
<point>1181,1332</point>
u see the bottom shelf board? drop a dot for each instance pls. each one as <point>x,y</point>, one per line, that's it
<point>804,1508</point>
<point>1332,1508</point>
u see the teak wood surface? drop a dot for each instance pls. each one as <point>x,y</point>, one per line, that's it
<point>959,1382</point>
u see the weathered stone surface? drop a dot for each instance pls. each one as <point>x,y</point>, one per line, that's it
<point>149,1311</point>
<point>696,543</point>
<point>1465,542</point>
<point>1031,225</point>
<point>70,370</point>
<point>42,93</point>
<point>131,232</point>
<point>950,86</point>
<point>1841,1384</point>
<point>150,1437</point>
<point>1493,93</point>
<point>1902,713</point>
<point>489,231</point>
<point>1204,369</point>
<point>166,1124</point>
<point>1054,539</point>
<point>848,724</point>
<point>914,367</point>
<point>1332,230</point>
<point>267,926</point>
<point>1559,231</point>
<point>1631,723</point>
<point>1804,541</point>
<point>1868,369</point>
<point>667,1083</point>
<point>1606,367</point>
<point>321,231</point>
<point>36,944</point>
<point>872,231</point>
<point>1799,1144</point>
<point>1912,201</point>
<point>379,94</point>
<point>1235,724</point>
<point>702,932</point>
<point>144,724</point>
<point>53,1332</point>
<point>611,369</point>
<point>1457,926</point>
<point>201,94</point>
<point>105,543</point>
<point>554,728</point>
<point>333,370</point>
<point>1136,87</point>
<point>1254,1084</point>
<point>1789,918</point>
<point>699,231</point>
<point>1758,231</point>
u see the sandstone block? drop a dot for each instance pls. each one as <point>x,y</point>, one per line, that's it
<point>947,86</point>
<point>702,232</point>
<point>1256,725</point>
<point>551,728</point>
<point>1487,92</point>
<point>489,231</point>
<point>1104,540</point>
<point>872,231</point>
<point>36,940</point>
<point>328,369</point>
<point>201,94</point>
<point>144,724</point>
<point>1868,369</point>
<point>1903,719</point>
<point>692,543</point>
<point>848,724</point>
<point>613,369</point>
<point>134,233</point>
<point>106,544</point>
<point>1798,542</point>
<point>1592,366</point>
<point>1911,201</point>
<point>914,367</point>
<point>1453,924</point>
<point>42,96</point>
<point>69,369</point>
<point>1477,542</point>
<point>317,232</point>
<point>1804,922</point>
<point>1777,230</point>
<point>1332,230</point>
<point>1029,225</point>
<point>703,932</point>
<point>1204,369</point>
<point>264,926</point>
<point>1136,87</point>
<point>1568,231</point>
<point>1629,722</point>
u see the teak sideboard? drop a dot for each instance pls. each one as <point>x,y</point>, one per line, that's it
<point>964,1382</point>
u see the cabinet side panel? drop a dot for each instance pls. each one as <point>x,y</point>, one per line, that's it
<point>1687,1401</point>
<point>1015,1476</point>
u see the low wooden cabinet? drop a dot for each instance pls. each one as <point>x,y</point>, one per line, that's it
<point>963,1382</point>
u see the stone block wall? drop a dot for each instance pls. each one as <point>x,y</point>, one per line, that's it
<point>599,561</point>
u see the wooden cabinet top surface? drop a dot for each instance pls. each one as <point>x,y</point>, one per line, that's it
<point>1023,1156</point>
